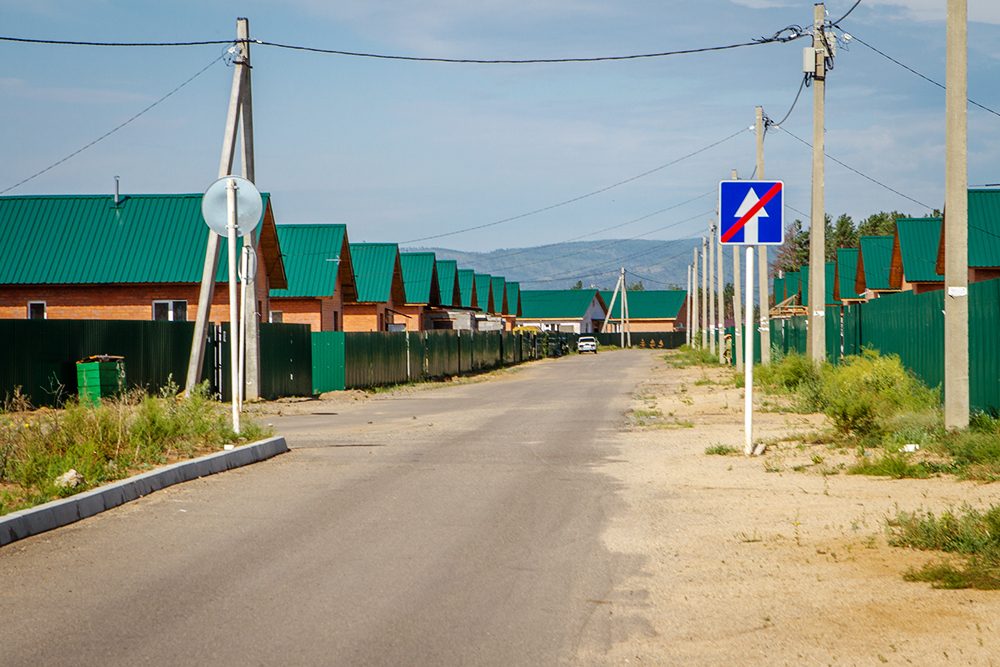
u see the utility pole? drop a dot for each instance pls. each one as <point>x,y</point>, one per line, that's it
<point>762,268</point>
<point>711,287</point>
<point>817,229</point>
<point>240,110</point>
<point>721,310</point>
<point>687,315</point>
<point>956,221</point>
<point>696,315</point>
<point>704,293</point>
<point>738,302</point>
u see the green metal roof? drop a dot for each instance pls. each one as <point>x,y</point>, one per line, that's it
<point>557,304</point>
<point>484,289</point>
<point>847,273</point>
<point>87,239</point>
<point>377,272</point>
<point>420,278</point>
<point>984,228</point>
<point>467,288</point>
<point>874,261</point>
<point>314,254</point>
<point>918,250</point>
<point>514,299</point>
<point>648,304</point>
<point>498,284</point>
<point>447,270</point>
<point>831,270</point>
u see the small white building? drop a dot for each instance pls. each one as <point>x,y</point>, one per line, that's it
<point>571,311</point>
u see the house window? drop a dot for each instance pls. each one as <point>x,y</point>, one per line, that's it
<point>36,310</point>
<point>170,311</point>
<point>277,316</point>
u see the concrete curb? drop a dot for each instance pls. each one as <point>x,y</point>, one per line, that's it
<point>35,520</point>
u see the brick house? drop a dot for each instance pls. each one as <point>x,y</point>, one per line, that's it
<point>874,261</point>
<point>984,236</point>
<point>514,309</point>
<point>574,311</point>
<point>134,257</point>
<point>317,261</point>
<point>421,287</point>
<point>914,255</point>
<point>649,310</point>
<point>845,275</point>
<point>378,277</point>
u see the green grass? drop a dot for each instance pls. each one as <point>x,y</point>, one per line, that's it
<point>103,443</point>
<point>972,536</point>
<point>686,355</point>
<point>719,449</point>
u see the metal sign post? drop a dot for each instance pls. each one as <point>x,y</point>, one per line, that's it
<point>248,271</point>
<point>751,213</point>
<point>234,374</point>
<point>232,207</point>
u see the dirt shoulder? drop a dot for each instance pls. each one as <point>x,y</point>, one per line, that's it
<point>773,560</point>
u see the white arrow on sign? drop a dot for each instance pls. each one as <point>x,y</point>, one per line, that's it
<point>750,230</point>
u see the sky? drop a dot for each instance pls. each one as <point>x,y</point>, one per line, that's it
<point>400,151</point>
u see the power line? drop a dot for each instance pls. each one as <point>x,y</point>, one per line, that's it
<point>859,173</point>
<point>922,76</point>
<point>63,42</point>
<point>787,34</point>
<point>611,243</point>
<point>768,122</point>
<point>606,229</point>
<point>836,23</point>
<point>577,198</point>
<point>117,127</point>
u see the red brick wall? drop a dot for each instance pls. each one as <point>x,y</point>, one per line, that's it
<point>114,302</point>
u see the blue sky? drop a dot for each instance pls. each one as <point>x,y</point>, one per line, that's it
<point>401,150</point>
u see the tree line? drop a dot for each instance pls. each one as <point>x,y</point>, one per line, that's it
<point>842,233</point>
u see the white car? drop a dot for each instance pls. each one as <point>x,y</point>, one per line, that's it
<point>586,344</point>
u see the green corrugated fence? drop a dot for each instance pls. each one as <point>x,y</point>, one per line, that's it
<point>912,327</point>
<point>40,356</point>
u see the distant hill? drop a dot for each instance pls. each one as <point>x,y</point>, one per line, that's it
<point>659,264</point>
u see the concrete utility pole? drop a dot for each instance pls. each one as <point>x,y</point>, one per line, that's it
<point>696,315</point>
<point>762,268</point>
<point>720,286</point>
<point>711,288</point>
<point>738,302</point>
<point>956,221</point>
<point>817,229</point>
<point>704,292</point>
<point>687,314</point>
<point>240,109</point>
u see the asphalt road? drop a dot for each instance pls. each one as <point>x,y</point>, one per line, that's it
<point>448,526</point>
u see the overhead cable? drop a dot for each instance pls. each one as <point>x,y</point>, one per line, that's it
<point>768,122</point>
<point>848,13</point>
<point>610,243</point>
<point>117,127</point>
<point>787,34</point>
<point>926,78</point>
<point>579,197</point>
<point>646,216</point>
<point>858,172</point>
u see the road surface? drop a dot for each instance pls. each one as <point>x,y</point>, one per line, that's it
<point>452,525</point>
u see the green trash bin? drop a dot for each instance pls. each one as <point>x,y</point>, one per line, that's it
<point>99,376</point>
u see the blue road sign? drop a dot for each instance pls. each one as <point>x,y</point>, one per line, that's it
<point>751,212</point>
